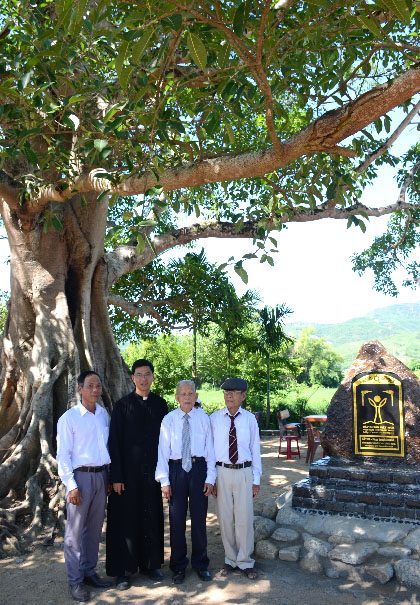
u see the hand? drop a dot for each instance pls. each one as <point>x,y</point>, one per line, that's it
<point>166,491</point>
<point>118,488</point>
<point>109,489</point>
<point>214,491</point>
<point>75,497</point>
<point>208,489</point>
<point>255,490</point>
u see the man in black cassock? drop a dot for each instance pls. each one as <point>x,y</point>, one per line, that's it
<point>134,538</point>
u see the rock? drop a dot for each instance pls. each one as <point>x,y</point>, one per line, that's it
<point>288,516</point>
<point>408,572</point>
<point>331,570</point>
<point>338,431</point>
<point>269,508</point>
<point>394,551</point>
<point>284,534</point>
<point>382,573</point>
<point>341,540</point>
<point>311,563</point>
<point>258,507</point>
<point>315,545</point>
<point>265,549</point>
<point>367,529</point>
<point>354,554</point>
<point>413,540</point>
<point>263,528</point>
<point>290,553</point>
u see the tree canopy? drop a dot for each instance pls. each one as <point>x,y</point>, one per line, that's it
<point>252,113</point>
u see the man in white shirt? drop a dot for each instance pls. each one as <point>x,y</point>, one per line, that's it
<point>238,463</point>
<point>186,472</point>
<point>83,459</point>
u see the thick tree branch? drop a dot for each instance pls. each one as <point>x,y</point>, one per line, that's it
<point>145,308</point>
<point>323,135</point>
<point>394,136</point>
<point>125,259</point>
<point>407,182</point>
<point>9,190</point>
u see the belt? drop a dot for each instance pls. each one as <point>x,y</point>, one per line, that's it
<point>238,465</point>
<point>193,459</point>
<point>91,469</point>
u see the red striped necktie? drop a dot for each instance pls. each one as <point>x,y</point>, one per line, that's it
<point>233,444</point>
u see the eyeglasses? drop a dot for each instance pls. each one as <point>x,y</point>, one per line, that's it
<point>225,391</point>
<point>92,387</point>
<point>143,375</point>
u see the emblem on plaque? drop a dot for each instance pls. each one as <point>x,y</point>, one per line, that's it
<point>378,414</point>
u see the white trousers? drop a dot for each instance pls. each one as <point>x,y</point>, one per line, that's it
<point>235,511</point>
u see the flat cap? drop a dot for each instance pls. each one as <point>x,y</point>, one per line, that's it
<point>235,384</point>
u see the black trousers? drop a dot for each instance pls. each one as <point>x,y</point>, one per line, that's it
<point>187,489</point>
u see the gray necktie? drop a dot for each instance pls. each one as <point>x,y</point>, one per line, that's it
<point>186,445</point>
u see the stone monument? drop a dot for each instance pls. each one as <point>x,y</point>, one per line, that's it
<point>372,439</point>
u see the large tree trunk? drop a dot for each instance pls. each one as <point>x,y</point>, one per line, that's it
<point>57,326</point>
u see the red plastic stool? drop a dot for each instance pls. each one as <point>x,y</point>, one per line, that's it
<point>289,451</point>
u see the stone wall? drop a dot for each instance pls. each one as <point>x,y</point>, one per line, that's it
<point>335,545</point>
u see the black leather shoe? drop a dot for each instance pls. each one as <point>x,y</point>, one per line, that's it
<point>79,592</point>
<point>178,577</point>
<point>203,574</point>
<point>122,583</point>
<point>98,582</point>
<point>155,574</point>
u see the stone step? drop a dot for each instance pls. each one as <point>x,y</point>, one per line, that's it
<point>369,486</point>
<point>350,499</point>
<point>326,468</point>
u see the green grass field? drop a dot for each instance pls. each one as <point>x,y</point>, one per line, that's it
<point>318,400</point>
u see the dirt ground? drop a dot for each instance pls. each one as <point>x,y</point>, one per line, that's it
<point>39,578</point>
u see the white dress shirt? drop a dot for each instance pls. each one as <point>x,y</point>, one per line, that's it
<point>247,436</point>
<point>170,442</point>
<point>82,439</point>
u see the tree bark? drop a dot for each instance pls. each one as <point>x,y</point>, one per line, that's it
<point>58,326</point>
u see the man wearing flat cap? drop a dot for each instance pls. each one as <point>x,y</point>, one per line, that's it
<point>237,451</point>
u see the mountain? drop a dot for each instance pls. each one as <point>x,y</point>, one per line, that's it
<point>397,327</point>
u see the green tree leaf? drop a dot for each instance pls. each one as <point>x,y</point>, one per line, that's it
<point>121,57</point>
<point>141,244</point>
<point>140,46</point>
<point>241,272</point>
<point>400,8</point>
<point>197,50</point>
<point>100,144</point>
<point>241,17</point>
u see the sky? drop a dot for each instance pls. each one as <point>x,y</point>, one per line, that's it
<point>312,272</point>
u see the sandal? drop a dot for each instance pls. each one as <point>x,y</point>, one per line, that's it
<point>225,570</point>
<point>250,573</point>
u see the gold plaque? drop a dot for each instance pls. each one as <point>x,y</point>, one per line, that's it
<point>378,414</point>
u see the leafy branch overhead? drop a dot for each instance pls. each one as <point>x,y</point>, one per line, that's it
<point>152,93</point>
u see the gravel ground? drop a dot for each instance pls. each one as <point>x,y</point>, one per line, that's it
<point>38,577</point>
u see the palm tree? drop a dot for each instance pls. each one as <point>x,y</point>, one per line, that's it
<point>271,338</point>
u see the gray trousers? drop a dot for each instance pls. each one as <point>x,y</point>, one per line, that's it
<point>84,526</point>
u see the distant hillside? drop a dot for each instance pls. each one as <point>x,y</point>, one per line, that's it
<point>397,327</point>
